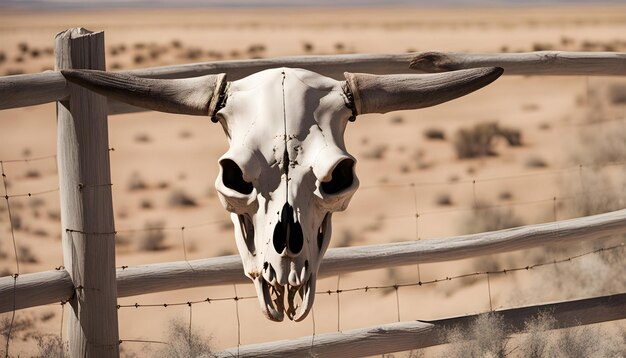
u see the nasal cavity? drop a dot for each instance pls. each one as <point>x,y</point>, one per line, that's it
<point>288,233</point>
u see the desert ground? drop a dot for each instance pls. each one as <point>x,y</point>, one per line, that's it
<point>552,148</point>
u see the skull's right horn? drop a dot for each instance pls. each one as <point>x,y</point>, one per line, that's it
<point>198,96</point>
<point>387,93</point>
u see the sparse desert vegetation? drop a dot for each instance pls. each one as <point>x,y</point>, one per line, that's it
<point>163,165</point>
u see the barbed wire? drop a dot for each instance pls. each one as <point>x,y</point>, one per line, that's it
<point>367,288</point>
<point>34,159</point>
<point>396,287</point>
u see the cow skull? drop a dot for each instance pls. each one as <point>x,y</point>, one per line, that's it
<point>287,169</point>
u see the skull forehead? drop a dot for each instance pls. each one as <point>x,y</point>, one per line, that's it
<point>282,107</point>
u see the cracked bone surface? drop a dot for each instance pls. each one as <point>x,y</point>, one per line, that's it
<point>287,168</point>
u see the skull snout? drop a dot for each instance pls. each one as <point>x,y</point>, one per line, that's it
<point>288,237</point>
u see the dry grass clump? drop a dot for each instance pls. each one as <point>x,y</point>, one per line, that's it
<point>536,162</point>
<point>478,141</point>
<point>475,142</point>
<point>154,238</point>
<point>375,152</point>
<point>617,94</point>
<point>486,336</point>
<point>443,199</point>
<point>25,255</point>
<point>142,138</point>
<point>435,134</point>
<point>486,218</point>
<point>178,198</point>
<point>135,182</point>
<point>489,336</point>
<point>52,346</point>
<point>184,342</point>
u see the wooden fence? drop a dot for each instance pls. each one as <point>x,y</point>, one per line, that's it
<point>90,282</point>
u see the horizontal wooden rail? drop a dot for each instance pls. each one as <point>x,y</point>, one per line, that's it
<point>52,286</point>
<point>32,89</point>
<point>403,336</point>
<point>527,63</point>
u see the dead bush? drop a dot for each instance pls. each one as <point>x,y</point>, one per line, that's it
<point>375,152</point>
<point>23,47</point>
<point>154,238</point>
<point>25,255</point>
<point>443,199</point>
<point>435,134</point>
<point>135,182</point>
<point>486,218</point>
<point>142,138</point>
<point>178,198</point>
<point>617,94</point>
<point>486,336</point>
<point>307,47</point>
<point>535,162</point>
<point>184,342</point>
<point>139,59</point>
<point>3,57</point>
<point>477,141</point>
<point>512,136</point>
<point>52,346</point>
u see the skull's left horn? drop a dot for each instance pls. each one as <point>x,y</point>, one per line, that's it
<point>387,93</point>
<point>198,96</point>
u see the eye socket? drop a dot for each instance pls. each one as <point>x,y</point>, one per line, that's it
<point>232,176</point>
<point>342,177</point>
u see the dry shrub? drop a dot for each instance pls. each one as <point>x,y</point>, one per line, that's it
<point>443,199</point>
<point>25,255</point>
<point>183,342</point>
<point>3,57</point>
<point>178,198</point>
<point>435,134</point>
<point>307,47</point>
<point>142,138</point>
<point>176,43</point>
<point>375,152</point>
<point>154,238</point>
<point>23,47</point>
<point>512,136</point>
<point>486,336</point>
<point>602,145</point>
<point>536,162</point>
<point>52,346</point>
<point>478,141</point>
<point>139,59</point>
<point>145,204</point>
<point>486,218</point>
<point>32,173</point>
<point>135,182</point>
<point>617,94</point>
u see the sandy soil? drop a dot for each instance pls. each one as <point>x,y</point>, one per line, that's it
<point>170,154</point>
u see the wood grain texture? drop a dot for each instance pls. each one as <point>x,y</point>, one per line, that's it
<point>86,203</point>
<point>136,280</point>
<point>403,336</point>
<point>35,289</point>
<point>527,63</point>
<point>167,276</point>
<point>28,90</point>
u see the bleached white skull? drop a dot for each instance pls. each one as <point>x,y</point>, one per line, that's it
<point>287,169</point>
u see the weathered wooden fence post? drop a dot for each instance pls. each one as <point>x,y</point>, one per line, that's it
<point>86,203</point>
